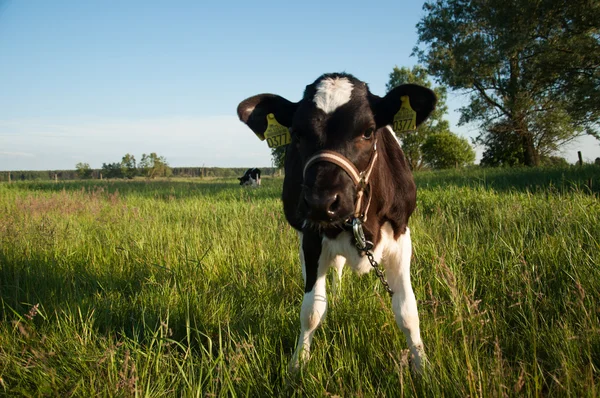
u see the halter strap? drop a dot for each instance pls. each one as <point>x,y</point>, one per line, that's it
<point>338,159</point>
<point>360,179</point>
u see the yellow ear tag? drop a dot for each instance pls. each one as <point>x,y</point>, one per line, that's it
<point>406,118</point>
<point>276,134</point>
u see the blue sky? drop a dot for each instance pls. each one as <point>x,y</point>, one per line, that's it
<point>92,80</point>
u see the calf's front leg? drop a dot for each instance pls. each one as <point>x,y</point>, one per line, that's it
<point>314,304</point>
<point>404,303</point>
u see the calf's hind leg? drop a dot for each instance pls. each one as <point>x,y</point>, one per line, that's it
<point>338,265</point>
<point>404,303</point>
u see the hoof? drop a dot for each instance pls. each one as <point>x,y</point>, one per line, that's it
<point>418,359</point>
<point>294,366</point>
<point>298,360</point>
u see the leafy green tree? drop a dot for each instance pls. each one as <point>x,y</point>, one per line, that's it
<point>129,167</point>
<point>278,156</point>
<point>154,166</point>
<point>112,170</point>
<point>502,148</point>
<point>83,170</point>
<point>412,142</point>
<point>445,150</point>
<point>554,161</point>
<point>531,65</point>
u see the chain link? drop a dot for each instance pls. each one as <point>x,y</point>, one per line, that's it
<point>379,272</point>
<point>364,246</point>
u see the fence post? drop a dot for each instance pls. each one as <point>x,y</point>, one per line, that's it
<point>580,158</point>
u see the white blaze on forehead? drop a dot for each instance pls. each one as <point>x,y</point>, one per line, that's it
<point>332,93</point>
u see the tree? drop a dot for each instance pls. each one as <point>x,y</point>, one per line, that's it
<point>112,170</point>
<point>278,156</point>
<point>412,142</point>
<point>445,150</point>
<point>531,66</point>
<point>83,170</point>
<point>128,166</point>
<point>154,166</point>
<point>554,161</point>
<point>502,148</point>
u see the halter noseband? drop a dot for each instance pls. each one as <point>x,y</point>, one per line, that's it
<point>359,178</point>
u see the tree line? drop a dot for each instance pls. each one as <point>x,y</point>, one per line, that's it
<point>150,166</point>
<point>85,172</point>
<point>153,165</point>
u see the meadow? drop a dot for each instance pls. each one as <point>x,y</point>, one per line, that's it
<point>193,288</point>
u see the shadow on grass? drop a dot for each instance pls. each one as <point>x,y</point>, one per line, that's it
<point>58,287</point>
<point>138,301</point>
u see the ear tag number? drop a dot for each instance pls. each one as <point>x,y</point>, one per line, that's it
<point>406,118</point>
<point>276,134</point>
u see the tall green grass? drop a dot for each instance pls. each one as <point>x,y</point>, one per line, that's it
<point>186,288</point>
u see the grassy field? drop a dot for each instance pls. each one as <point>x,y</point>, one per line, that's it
<point>192,288</point>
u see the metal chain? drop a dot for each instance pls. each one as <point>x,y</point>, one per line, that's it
<point>364,246</point>
<point>379,272</point>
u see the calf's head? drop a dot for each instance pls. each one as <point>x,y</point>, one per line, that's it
<point>337,113</point>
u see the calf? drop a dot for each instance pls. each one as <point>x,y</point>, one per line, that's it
<point>346,175</point>
<point>251,177</point>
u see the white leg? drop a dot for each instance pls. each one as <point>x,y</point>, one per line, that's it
<point>404,303</point>
<point>338,265</point>
<point>314,308</point>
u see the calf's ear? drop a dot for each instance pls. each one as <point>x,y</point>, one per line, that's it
<point>422,101</point>
<point>254,110</point>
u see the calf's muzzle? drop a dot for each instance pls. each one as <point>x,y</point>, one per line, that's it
<point>326,206</point>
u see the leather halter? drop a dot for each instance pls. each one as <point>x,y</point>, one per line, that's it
<point>359,178</point>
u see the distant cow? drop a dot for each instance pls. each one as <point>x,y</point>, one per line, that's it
<point>345,174</point>
<point>251,177</point>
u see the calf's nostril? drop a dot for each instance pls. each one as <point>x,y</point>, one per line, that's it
<point>324,207</point>
<point>334,206</point>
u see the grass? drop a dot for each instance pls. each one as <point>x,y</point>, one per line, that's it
<point>191,288</point>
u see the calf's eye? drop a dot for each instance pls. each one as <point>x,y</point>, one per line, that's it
<point>368,133</point>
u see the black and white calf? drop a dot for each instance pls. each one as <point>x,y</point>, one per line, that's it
<point>251,177</point>
<point>341,137</point>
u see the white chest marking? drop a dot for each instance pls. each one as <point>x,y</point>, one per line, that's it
<point>343,245</point>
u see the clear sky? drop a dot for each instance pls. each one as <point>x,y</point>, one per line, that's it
<point>89,81</point>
